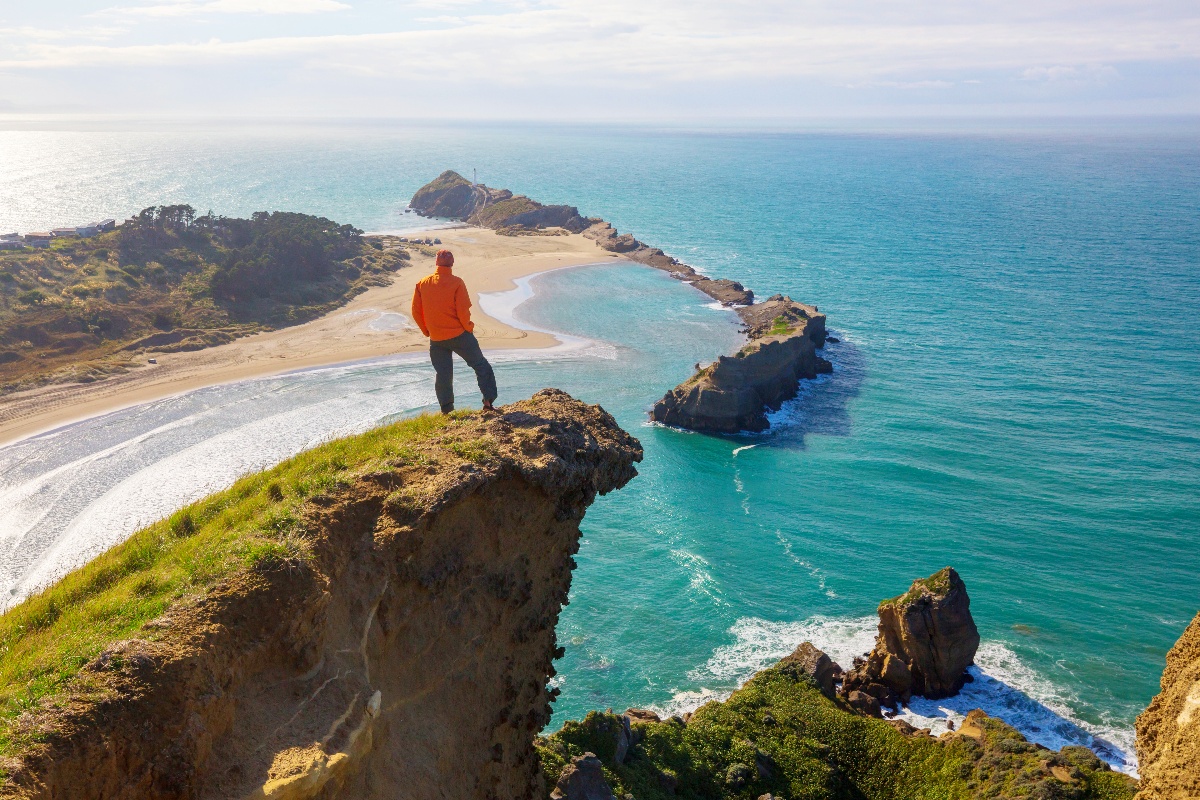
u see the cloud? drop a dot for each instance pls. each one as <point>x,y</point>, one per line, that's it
<point>188,7</point>
<point>1060,73</point>
<point>616,49</point>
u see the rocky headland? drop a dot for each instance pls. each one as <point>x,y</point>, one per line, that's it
<point>805,729</point>
<point>372,619</point>
<point>376,618</point>
<point>1168,731</point>
<point>731,395</point>
<point>451,196</point>
<point>736,392</point>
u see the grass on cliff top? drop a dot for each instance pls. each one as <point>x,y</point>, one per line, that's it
<point>47,639</point>
<point>938,583</point>
<point>779,734</point>
<point>780,327</point>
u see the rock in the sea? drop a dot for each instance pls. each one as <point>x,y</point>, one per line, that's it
<point>1168,731</point>
<point>453,196</point>
<point>725,291</point>
<point>583,779</point>
<point>735,393</point>
<point>809,661</point>
<point>926,641</point>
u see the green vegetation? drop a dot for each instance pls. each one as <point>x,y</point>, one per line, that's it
<point>505,209</point>
<point>46,640</point>
<point>938,583</point>
<point>780,327</point>
<point>779,734</point>
<point>170,280</point>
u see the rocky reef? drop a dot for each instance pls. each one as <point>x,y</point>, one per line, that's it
<point>389,633</point>
<point>734,393</point>
<point>1168,732</point>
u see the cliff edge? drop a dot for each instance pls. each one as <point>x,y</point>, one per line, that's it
<point>373,614</point>
<point>1168,731</point>
<point>734,393</point>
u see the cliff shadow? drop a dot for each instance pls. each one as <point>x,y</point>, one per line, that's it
<point>822,405</point>
<point>999,698</point>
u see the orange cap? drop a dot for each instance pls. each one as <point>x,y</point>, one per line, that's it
<point>445,258</point>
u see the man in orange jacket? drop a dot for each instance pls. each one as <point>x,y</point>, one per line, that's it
<point>442,310</point>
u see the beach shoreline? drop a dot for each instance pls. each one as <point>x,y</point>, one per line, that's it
<point>375,324</point>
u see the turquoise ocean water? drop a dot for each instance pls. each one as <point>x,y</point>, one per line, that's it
<point>1015,392</point>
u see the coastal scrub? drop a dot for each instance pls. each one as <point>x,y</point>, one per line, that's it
<point>780,735</point>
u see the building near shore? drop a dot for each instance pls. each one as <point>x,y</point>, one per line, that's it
<point>41,239</point>
<point>59,233</point>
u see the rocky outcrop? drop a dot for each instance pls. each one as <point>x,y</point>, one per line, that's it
<point>582,779</point>
<point>810,661</point>
<point>407,653</point>
<point>927,639</point>
<point>1168,731</point>
<point>735,392</point>
<point>732,395</point>
<point>452,196</point>
<point>782,736</point>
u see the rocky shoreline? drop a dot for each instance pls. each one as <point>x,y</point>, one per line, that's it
<point>806,728</point>
<point>734,393</point>
<point>731,395</point>
<point>451,196</point>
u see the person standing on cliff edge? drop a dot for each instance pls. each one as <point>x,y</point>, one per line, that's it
<point>442,310</point>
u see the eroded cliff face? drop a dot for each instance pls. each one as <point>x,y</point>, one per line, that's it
<point>1168,732</point>
<point>406,655</point>
<point>736,392</point>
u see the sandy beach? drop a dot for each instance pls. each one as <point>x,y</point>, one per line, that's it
<point>377,323</point>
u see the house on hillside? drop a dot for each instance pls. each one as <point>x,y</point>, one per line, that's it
<point>59,233</point>
<point>38,239</point>
<point>88,230</point>
<point>106,225</point>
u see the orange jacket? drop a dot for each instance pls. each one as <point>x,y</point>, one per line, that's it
<point>441,305</point>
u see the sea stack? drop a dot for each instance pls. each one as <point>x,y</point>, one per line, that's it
<point>926,641</point>
<point>735,392</point>
<point>1168,731</point>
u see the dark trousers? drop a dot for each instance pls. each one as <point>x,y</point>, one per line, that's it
<point>442,356</point>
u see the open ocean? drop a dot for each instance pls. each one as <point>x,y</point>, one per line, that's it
<point>1016,392</point>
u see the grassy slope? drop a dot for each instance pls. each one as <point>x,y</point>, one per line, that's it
<point>69,312</point>
<point>46,641</point>
<point>810,748</point>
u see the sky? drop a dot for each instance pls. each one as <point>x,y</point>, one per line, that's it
<point>578,60</point>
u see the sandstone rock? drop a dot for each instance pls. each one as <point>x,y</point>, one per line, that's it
<point>453,196</point>
<point>926,641</point>
<point>1168,731</point>
<point>929,630</point>
<point>864,703</point>
<point>583,779</point>
<point>725,291</point>
<point>808,661</point>
<point>736,392</point>
<point>642,715</point>
<point>297,678</point>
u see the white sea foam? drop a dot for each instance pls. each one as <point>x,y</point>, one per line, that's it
<point>1004,686</point>
<point>700,579</point>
